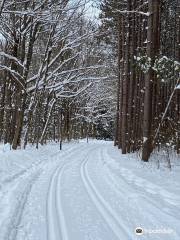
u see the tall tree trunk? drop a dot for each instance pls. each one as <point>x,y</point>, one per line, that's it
<point>118,118</point>
<point>153,25</point>
<point>126,78</point>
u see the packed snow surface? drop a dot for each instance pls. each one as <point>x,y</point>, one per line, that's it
<point>87,191</point>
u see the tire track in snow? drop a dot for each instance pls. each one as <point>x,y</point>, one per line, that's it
<point>109,215</point>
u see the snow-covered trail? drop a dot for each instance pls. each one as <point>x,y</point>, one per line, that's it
<point>83,193</point>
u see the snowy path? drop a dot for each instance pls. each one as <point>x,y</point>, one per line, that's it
<point>86,192</point>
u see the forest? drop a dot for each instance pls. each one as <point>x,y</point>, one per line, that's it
<point>89,119</point>
<point>66,76</point>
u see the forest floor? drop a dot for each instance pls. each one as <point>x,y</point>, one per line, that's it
<point>87,191</point>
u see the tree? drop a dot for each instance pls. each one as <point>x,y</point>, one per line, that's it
<point>145,31</point>
<point>150,78</point>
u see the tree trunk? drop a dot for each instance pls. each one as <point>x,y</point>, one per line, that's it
<point>153,25</point>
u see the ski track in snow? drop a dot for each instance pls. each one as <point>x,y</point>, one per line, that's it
<point>117,201</point>
<point>136,192</point>
<point>104,208</point>
<point>56,221</point>
<point>133,180</point>
<point>30,175</point>
<point>16,218</point>
<point>56,224</point>
<point>28,169</point>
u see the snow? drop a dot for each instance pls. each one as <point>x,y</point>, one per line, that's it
<point>178,86</point>
<point>87,191</point>
<point>11,58</point>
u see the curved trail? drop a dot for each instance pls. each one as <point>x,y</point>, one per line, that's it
<point>77,196</point>
<point>56,221</point>
<point>102,205</point>
<point>56,224</point>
